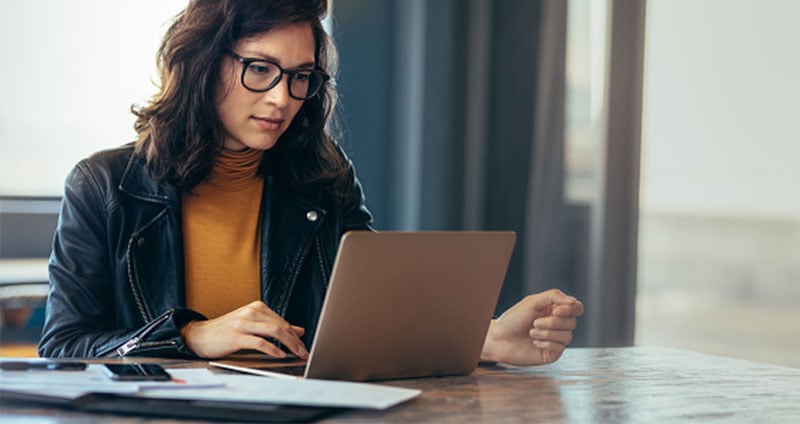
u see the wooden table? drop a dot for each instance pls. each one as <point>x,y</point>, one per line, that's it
<point>585,385</point>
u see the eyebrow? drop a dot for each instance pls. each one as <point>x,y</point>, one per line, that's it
<point>260,55</point>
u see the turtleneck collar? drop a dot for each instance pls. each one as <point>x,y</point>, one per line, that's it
<point>234,171</point>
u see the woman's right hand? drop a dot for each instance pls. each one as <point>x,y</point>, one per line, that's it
<point>245,328</point>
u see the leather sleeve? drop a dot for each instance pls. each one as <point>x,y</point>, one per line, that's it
<point>80,319</point>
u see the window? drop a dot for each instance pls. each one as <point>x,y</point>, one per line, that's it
<point>70,71</point>
<point>585,98</point>
<point>719,246</point>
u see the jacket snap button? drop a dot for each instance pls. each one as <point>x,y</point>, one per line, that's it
<point>312,216</point>
<point>140,242</point>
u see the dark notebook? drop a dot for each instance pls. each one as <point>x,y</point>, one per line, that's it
<point>172,408</point>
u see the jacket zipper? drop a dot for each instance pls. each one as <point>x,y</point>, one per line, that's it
<point>135,342</point>
<point>133,283</point>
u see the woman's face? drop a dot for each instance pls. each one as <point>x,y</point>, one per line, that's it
<point>256,120</point>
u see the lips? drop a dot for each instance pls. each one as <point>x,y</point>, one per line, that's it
<point>268,124</point>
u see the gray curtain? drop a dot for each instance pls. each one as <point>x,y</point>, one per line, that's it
<point>454,117</point>
<point>440,101</point>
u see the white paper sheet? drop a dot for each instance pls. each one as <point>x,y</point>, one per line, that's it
<point>306,392</point>
<point>209,386</point>
<point>70,384</point>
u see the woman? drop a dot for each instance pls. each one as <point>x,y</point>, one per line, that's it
<point>216,230</point>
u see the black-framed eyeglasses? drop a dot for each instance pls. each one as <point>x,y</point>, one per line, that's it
<point>260,75</point>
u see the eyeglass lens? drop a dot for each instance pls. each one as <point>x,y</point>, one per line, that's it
<point>262,75</point>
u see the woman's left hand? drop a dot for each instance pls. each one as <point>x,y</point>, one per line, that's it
<point>535,331</point>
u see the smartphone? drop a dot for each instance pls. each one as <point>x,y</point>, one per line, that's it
<point>137,372</point>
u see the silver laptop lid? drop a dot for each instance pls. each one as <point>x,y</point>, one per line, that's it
<point>409,304</point>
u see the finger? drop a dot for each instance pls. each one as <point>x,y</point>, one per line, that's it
<point>555,323</point>
<point>561,337</point>
<point>554,347</point>
<point>257,313</point>
<point>262,345</point>
<point>568,311</point>
<point>291,341</point>
<point>284,334</point>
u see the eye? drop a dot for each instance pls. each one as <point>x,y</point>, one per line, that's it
<point>302,76</point>
<point>259,68</point>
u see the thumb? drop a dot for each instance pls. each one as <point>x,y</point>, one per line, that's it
<point>574,309</point>
<point>548,298</point>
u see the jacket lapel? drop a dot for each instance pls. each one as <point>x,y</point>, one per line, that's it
<point>138,182</point>
<point>289,225</point>
<point>155,248</point>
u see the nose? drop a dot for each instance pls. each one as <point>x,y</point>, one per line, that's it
<point>279,94</point>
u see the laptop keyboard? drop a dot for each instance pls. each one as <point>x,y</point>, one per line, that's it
<point>297,370</point>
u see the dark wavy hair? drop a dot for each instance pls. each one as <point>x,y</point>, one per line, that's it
<point>180,132</point>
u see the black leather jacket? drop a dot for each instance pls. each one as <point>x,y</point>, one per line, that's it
<point>116,270</point>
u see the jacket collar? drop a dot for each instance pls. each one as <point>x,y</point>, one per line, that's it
<point>290,222</point>
<point>139,182</point>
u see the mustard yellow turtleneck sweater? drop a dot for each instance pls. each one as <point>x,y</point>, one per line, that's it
<point>221,235</point>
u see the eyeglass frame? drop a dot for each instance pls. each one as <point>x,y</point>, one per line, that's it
<point>290,73</point>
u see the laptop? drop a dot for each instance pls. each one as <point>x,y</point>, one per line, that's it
<point>402,305</point>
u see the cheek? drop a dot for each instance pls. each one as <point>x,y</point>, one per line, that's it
<point>231,114</point>
<point>225,96</point>
<point>223,112</point>
<point>231,104</point>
